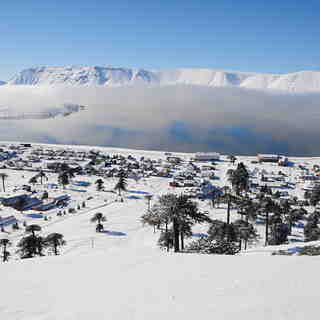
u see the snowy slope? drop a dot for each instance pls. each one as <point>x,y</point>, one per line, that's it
<point>139,284</point>
<point>123,275</point>
<point>114,77</point>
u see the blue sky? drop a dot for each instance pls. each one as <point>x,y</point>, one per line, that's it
<point>261,36</point>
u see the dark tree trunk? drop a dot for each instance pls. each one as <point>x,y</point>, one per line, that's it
<point>3,186</point>
<point>176,234</point>
<point>55,246</point>
<point>168,245</point>
<point>228,212</point>
<point>290,227</point>
<point>182,240</point>
<point>4,253</point>
<point>39,245</point>
<point>267,228</point>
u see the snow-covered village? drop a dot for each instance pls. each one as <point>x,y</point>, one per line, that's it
<point>159,160</point>
<point>113,230</point>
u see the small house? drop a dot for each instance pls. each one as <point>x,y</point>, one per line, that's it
<point>268,158</point>
<point>207,156</point>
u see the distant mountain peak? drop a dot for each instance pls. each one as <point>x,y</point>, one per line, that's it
<point>303,81</point>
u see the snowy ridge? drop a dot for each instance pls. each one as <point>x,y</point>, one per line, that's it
<point>2,83</point>
<point>88,76</point>
<point>304,81</point>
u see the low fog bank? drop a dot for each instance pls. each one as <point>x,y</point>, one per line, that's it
<point>174,118</point>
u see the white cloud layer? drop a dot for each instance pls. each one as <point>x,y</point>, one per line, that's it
<point>181,118</point>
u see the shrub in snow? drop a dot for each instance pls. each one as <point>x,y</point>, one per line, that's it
<point>304,251</point>
<point>282,253</point>
<point>30,246</point>
<point>311,231</point>
<point>166,240</point>
<point>15,226</point>
<point>209,246</point>
<point>279,234</point>
<point>54,241</point>
<point>309,251</point>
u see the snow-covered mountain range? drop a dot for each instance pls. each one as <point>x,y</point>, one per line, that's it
<point>305,81</point>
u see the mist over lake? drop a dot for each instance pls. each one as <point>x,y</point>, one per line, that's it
<point>174,118</point>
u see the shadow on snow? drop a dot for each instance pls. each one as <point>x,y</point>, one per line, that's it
<point>114,233</point>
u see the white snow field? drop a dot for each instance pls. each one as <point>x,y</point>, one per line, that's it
<point>122,274</point>
<point>304,81</point>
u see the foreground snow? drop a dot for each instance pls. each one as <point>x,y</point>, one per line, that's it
<point>135,283</point>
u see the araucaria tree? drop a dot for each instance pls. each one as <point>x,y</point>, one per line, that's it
<point>178,214</point>
<point>98,217</point>
<point>315,196</point>
<point>4,244</point>
<point>239,178</point>
<point>54,241</point>
<point>42,175</point>
<point>32,244</point>
<point>121,184</point>
<point>99,184</point>
<point>268,206</point>
<point>64,179</point>
<point>148,197</point>
<point>3,177</point>
<point>311,229</point>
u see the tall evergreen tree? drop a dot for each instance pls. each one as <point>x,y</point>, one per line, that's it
<point>63,179</point>
<point>148,197</point>
<point>179,212</point>
<point>42,175</point>
<point>4,244</point>
<point>98,217</point>
<point>121,184</point>
<point>99,184</point>
<point>54,241</point>
<point>268,206</point>
<point>3,177</point>
<point>311,229</point>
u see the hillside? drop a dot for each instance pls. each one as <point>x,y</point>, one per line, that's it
<point>305,81</point>
<point>122,273</point>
